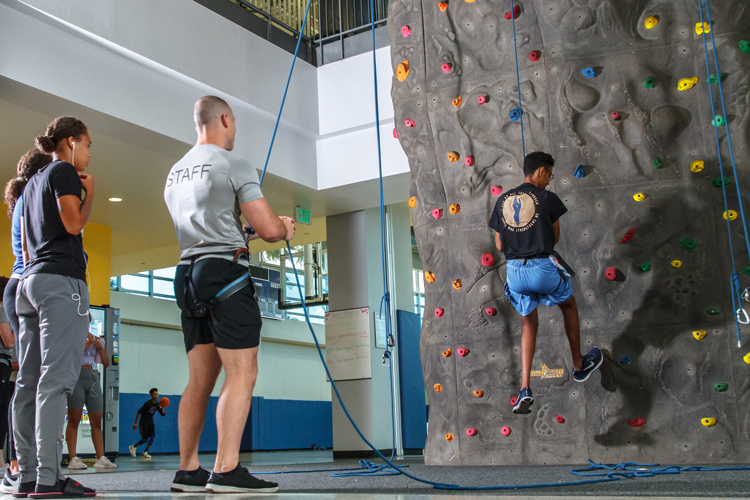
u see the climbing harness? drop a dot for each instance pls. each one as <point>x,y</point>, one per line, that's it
<point>198,308</point>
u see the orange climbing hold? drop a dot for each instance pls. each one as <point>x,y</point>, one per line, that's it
<point>443,6</point>
<point>448,353</point>
<point>453,156</point>
<point>478,393</point>
<point>457,101</point>
<point>454,209</point>
<point>457,284</point>
<point>402,70</point>
<point>413,202</point>
<point>429,277</point>
<point>438,388</point>
<point>449,437</point>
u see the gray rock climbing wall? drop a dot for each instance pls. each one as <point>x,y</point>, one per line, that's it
<point>459,53</point>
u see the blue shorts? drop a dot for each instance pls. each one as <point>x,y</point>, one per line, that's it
<point>539,281</point>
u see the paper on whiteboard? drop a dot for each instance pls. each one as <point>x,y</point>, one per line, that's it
<point>348,344</point>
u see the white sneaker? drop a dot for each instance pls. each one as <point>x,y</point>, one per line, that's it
<point>104,463</point>
<point>77,463</point>
<point>145,455</point>
<point>132,450</point>
<point>10,482</point>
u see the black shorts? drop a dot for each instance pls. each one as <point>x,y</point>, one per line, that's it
<point>147,430</point>
<point>233,324</point>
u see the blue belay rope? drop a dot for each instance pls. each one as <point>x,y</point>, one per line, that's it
<point>518,78</point>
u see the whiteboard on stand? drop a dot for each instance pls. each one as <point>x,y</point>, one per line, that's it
<point>348,344</point>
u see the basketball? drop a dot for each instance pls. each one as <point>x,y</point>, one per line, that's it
<point>164,402</point>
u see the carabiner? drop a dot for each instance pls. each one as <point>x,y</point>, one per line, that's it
<point>739,317</point>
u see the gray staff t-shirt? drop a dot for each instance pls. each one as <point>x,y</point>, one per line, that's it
<point>203,194</point>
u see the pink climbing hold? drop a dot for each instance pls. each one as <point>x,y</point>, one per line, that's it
<point>637,422</point>
<point>505,430</point>
<point>437,212</point>
<point>611,273</point>
<point>559,419</point>
<point>513,14</point>
<point>439,312</point>
<point>482,99</point>
<point>471,432</point>
<point>395,133</point>
<point>535,55</point>
<point>615,115</point>
<point>446,67</point>
<point>462,351</point>
<point>469,161</point>
<point>410,123</point>
<point>405,30</point>
<point>491,311</point>
<point>496,190</point>
<point>628,236</point>
<point>487,259</point>
<point>514,400</point>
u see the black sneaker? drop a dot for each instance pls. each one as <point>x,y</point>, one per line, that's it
<point>591,362</point>
<point>64,488</point>
<point>239,481</point>
<point>524,402</point>
<point>25,488</point>
<point>190,481</point>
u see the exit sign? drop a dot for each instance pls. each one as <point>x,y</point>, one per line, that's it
<point>302,215</point>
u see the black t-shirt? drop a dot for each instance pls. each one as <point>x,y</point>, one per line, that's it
<point>147,412</point>
<point>52,249</point>
<point>524,217</point>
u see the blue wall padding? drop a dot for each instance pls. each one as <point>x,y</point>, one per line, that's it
<point>273,424</point>
<point>413,404</point>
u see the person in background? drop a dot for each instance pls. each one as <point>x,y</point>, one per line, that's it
<point>7,343</point>
<point>147,427</point>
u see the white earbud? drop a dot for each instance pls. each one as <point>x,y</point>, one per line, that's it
<point>73,156</point>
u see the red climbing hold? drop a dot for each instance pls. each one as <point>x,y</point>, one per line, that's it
<point>487,259</point>
<point>491,311</point>
<point>496,190</point>
<point>446,67</point>
<point>462,351</point>
<point>611,273</point>
<point>437,213</point>
<point>535,55</point>
<point>615,115</point>
<point>628,236</point>
<point>469,161</point>
<point>471,432</point>
<point>513,15</point>
<point>559,419</point>
<point>410,123</point>
<point>505,430</point>
<point>482,99</point>
<point>395,133</point>
<point>514,400</point>
<point>637,422</point>
<point>439,312</point>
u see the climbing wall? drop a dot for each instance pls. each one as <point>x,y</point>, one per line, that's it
<point>618,93</point>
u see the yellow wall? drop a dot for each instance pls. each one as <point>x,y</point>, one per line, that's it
<point>6,252</point>
<point>97,241</point>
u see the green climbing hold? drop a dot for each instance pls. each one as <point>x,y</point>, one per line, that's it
<point>713,311</point>
<point>721,387</point>
<point>657,163</point>
<point>688,244</point>
<point>717,182</point>
<point>646,267</point>
<point>746,270</point>
<point>718,121</point>
<point>649,82</point>
<point>745,46</point>
<point>713,78</point>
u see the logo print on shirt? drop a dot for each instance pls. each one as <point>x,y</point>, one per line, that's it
<point>519,211</point>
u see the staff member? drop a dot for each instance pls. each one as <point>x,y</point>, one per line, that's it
<point>53,305</point>
<point>206,192</point>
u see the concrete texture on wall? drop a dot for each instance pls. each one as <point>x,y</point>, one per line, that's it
<point>453,93</point>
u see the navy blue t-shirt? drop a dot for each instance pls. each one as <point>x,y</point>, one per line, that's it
<point>524,217</point>
<point>147,412</point>
<point>52,249</point>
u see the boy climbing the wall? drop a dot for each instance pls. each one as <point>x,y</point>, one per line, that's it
<point>527,227</point>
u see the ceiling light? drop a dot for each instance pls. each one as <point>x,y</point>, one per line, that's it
<point>115,199</point>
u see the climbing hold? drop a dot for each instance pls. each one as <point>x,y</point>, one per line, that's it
<point>462,351</point>
<point>559,419</point>
<point>491,311</point>
<point>514,13</point>
<point>457,101</point>
<point>395,133</point>
<point>746,270</point>
<point>676,264</point>
<point>513,400</point>
<point>714,79</point>
<point>402,70</point>
<point>405,30</point>
<point>745,46</point>
<point>708,422</point>
<point>589,72</point>
<point>615,115</point>
<point>452,156</point>
<point>496,190</point>
<point>637,422</point>
<point>747,358</point>
<point>718,121</point>
<point>438,388</point>
<point>611,273</point>
<point>446,67</point>
<point>639,196</point>
<point>469,161</point>
<point>505,430</point>
<point>625,360</point>
<point>721,387</point>
<point>688,244</point>
<point>471,432</point>
<point>410,123</point>
<point>657,163</point>
<point>718,181</point>
<point>649,82</point>
<point>479,393</point>
<point>702,27</point>
<point>514,114</point>
<point>447,354</point>
<point>646,267</point>
<point>483,99</point>
<point>686,83</point>
<point>449,437</point>
<point>487,259</point>
<point>579,171</point>
<point>535,55</point>
<point>439,312</point>
<point>413,202</point>
<point>454,209</point>
<point>429,277</point>
<point>697,166</point>
<point>713,311</point>
<point>730,215</point>
<point>457,284</point>
<point>699,334</point>
<point>650,22</point>
<point>443,6</point>
<point>437,213</point>
<point>628,236</point>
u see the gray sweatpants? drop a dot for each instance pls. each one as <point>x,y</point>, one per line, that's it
<point>53,313</point>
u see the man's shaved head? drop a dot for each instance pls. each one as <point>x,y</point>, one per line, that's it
<point>209,109</point>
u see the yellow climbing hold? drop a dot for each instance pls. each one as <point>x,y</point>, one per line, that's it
<point>730,215</point>
<point>457,284</point>
<point>429,277</point>
<point>699,334</point>
<point>747,358</point>
<point>402,71</point>
<point>457,101</point>
<point>701,27</point>
<point>708,422</point>
<point>413,202</point>
<point>686,83</point>
<point>697,166</point>
<point>676,263</point>
<point>639,196</point>
<point>650,22</point>
<point>454,209</point>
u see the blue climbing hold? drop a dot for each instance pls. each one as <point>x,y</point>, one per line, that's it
<point>625,360</point>
<point>515,114</point>
<point>579,171</point>
<point>589,72</point>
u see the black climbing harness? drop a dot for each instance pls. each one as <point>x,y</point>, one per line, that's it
<point>197,308</point>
